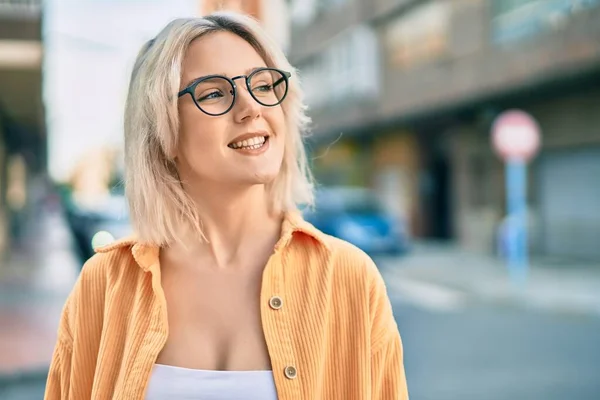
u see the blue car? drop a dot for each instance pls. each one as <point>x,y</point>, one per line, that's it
<point>357,216</point>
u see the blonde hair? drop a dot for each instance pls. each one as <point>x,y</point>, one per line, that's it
<point>158,204</point>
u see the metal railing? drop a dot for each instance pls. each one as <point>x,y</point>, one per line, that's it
<point>20,7</point>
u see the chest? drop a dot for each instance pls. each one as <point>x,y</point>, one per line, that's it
<point>214,320</point>
<point>212,299</point>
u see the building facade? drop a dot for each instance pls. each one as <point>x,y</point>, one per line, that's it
<point>407,90</point>
<point>22,135</point>
<point>272,14</point>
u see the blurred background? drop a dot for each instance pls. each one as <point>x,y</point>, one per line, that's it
<point>403,96</point>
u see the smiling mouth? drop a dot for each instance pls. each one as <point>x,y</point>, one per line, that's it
<point>254,143</point>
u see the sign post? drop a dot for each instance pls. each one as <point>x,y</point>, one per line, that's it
<point>516,139</point>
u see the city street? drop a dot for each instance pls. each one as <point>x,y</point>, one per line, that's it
<point>486,353</point>
<point>469,335</point>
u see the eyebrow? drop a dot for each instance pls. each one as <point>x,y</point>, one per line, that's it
<point>247,72</point>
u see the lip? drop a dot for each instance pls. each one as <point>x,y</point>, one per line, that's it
<point>249,135</point>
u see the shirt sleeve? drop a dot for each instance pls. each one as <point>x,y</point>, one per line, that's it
<point>388,379</point>
<point>57,385</point>
<point>63,367</point>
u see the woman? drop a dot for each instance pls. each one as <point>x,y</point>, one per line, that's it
<point>224,292</point>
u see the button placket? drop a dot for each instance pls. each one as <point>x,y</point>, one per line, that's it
<point>281,342</point>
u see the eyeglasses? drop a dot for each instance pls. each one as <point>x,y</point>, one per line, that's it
<point>215,94</point>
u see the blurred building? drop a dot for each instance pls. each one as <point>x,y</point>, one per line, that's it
<point>22,136</point>
<point>407,91</point>
<point>273,14</point>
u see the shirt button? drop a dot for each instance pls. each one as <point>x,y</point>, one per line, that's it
<point>290,372</point>
<point>275,302</point>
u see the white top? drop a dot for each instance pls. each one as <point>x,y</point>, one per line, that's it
<point>175,383</point>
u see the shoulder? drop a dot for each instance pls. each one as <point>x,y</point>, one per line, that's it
<point>100,272</point>
<point>112,267</point>
<point>347,254</point>
<point>330,250</point>
<point>341,261</point>
<point>360,270</point>
<point>108,260</point>
<point>361,288</point>
<point>344,280</point>
<point>330,254</point>
<point>345,259</point>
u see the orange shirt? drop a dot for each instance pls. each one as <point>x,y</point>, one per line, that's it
<point>326,318</point>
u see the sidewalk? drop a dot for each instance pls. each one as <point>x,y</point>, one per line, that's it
<point>444,276</point>
<point>34,284</point>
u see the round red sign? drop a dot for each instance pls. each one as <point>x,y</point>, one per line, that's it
<point>516,135</point>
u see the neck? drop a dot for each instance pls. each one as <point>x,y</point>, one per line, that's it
<point>236,222</point>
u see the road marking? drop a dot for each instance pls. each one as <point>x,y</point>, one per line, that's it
<point>426,295</point>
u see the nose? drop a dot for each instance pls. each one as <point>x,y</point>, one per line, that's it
<point>245,108</point>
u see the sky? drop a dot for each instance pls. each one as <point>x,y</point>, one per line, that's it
<point>89,50</point>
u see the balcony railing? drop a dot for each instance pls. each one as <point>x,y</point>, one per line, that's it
<point>20,8</point>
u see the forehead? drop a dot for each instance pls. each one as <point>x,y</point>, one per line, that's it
<point>219,53</point>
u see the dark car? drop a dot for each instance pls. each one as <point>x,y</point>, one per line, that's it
<point>105,219</point>
<point>357,215</point>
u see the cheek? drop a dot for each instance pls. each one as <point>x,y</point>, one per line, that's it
<point>199,133</point>
<point>277,122</point>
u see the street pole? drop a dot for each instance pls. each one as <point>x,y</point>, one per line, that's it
<point>516,138</point>
<point>516,193</point>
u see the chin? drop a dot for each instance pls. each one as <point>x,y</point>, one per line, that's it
<point>263,177</point>
<point>263,173</point>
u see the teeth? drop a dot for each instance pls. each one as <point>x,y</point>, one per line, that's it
<point>252,143</point>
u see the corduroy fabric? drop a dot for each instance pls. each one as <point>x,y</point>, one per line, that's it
<point>335,327</point>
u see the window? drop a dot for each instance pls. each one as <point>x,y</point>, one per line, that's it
<point>348,70</point>
<point>516,20</point>
<point>419,35</point>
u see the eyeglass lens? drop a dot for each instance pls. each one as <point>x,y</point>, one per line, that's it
<point>215,95</point>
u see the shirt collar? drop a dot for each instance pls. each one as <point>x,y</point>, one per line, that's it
<point>146,255</point>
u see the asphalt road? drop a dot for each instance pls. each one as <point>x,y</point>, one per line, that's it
<point>485,353</point>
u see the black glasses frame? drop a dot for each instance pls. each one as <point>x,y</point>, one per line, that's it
<point>192,87</point>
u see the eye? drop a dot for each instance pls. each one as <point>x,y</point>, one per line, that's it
<point>211,96</point>
<point>266,87</point>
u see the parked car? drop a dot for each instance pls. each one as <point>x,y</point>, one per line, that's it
<point>358,216</point>
<point>108,217</point>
